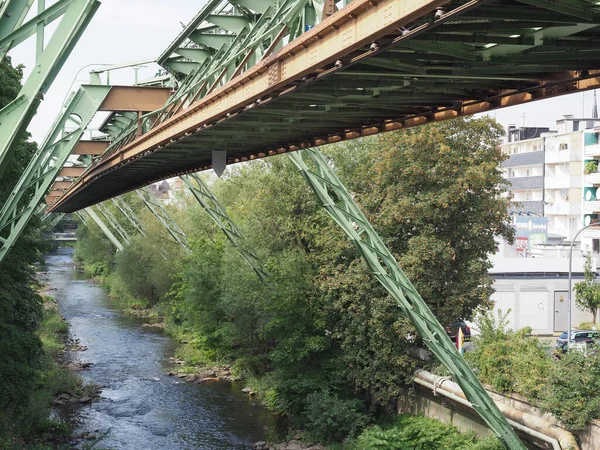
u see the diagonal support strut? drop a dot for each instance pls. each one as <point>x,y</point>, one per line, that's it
<point>338,202</point>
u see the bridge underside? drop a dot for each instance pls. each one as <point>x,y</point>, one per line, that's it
<point>479,56</point>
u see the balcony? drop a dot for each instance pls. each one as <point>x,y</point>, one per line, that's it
<point>523,183</point>
<point>563,208</point>
<point>560,156</point>
<point>562,182</point>
<point>531,207</point>
<point>592,179</point>
<point>592,150</point>
<point>591,207</point>
<point>524,159</point>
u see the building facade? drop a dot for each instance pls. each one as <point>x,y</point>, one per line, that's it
<point>545,171</point>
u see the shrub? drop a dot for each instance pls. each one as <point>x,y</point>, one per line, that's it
<point>590,167</point>
<point>331,418</point>
<point>572,389</point>
<point>409,432</point>
<point>510,361</point>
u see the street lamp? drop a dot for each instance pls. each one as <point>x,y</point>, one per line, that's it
<point>570,281</point>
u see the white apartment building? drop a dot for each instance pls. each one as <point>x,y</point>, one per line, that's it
<point>545,170</point>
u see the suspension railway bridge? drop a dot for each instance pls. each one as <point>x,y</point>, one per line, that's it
<point>248,79</point>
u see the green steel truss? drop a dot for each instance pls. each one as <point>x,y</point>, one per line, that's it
<point>83,217</point>
<point>47,162</point>
<point>338,202</point>
<point>129,214</point>
<point>57,218</point>
<point>159,211</point>
<point>114,223</point>
<point>76,15</point>
<point>217,212</point>
<point>225,39</point>
<point>105,229</point>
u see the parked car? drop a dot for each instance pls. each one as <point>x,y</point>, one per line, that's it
<point>583,336</point>
<point>452,330</point>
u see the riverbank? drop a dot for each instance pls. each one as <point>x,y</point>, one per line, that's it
<point>141,405</point>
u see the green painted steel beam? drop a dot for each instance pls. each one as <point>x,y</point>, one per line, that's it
<point>83,217</point>
<point>198,55</point>
<point>114,223</point>
<point>215,41</point>
<point>30,28</point>
<point>218,213</point>
<point>57,218</point>
<point>129,214</point>
<point>98,221</point>
<point>12,15</point>
<point>15,116</point>
<point>47,162</point>
<point>232,23</point>
<point>339,204</point>
<point>159,211</point>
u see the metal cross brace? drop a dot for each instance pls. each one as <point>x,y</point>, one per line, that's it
<point>338,202</point>
<point>76,15</point>
<point>217,212</point>
<point>129,214</point>
<point>114,223</point>
<point>82,216</point>
<point>57,218</point>
<point>111,237</point>
<point>159,211</point>
<point>47,162</point>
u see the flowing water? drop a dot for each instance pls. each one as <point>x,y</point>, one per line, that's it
<point>141,407</point>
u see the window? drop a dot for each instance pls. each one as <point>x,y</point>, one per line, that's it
<point>596,245</point>
<point>563,146</point>
<point>527,173</point>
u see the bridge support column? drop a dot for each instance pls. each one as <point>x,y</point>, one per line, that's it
<point>47,163</point>
<point>57,218</point>
<point>111,237</point>
<point>129,214</point>
<point>114,223</point>
<point>76,15</point>
<point>163,217</point>
<point>217,212</point>
<point>338,202</point>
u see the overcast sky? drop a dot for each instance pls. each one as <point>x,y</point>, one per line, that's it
<point>132,30</point>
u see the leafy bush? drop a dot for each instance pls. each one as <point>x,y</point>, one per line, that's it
<point>409,433</point>
<point>588,326</point>
<point>331,418</point>
<point>507,360</point>
<point>572,389</point>
<point>590,167</point>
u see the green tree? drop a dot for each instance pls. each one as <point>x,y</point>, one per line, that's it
<point>434,194</point>
<point>587,292</point>
<point>20,305</point>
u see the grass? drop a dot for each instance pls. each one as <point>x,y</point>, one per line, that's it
<point>37,429</point>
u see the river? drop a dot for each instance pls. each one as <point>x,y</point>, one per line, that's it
<point>141,407</point>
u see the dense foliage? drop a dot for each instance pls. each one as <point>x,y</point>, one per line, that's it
<point>409,433</point>
<point>322,334</point>
<point>510,361</point>
<point>513,362</point>
<point>20,305</point>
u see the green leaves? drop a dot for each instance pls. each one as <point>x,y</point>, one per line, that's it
<point>587,292</point>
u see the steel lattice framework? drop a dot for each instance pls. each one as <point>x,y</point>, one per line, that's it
<point>259,78</point>
<point>217,212</point>
<point>103,227</point>
<point>50,57</point>
<point>338,202</point>
<point>262,80</point>
<point>159,211</point>
<point>47,162</point>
